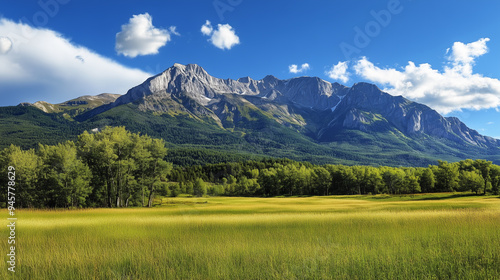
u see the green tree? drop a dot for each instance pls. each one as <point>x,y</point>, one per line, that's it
<point>123,163</point>
<point>495,179</point>
<point>484,167</point>
<point>189,188</point>
<point>371,180</point>
<point>427,180</point>
<point>393,179</point>
<point>97,151</point>
<point>411,184</point>
<point>27,168</point>
<point>66,177</point>
<point>321,181</point>
<point>269,182</point>
<point>158,168</point>
<point>344,180</point>
<point>471,180</point>
<point>199,187</point>
<point>175,190</point>
<point>447,176</point>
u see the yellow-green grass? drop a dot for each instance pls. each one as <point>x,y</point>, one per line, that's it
<point>421,237</point>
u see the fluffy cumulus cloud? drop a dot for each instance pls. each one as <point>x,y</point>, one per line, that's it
<point>294,68</point>
<point>453,89</point>
<point>43,65</point>
<point>339,72</point>
<point>140,37</point>
<point>223,37</point>
<point>463,55</point>
<point>207,28</point>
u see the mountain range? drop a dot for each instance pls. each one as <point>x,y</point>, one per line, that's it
<point>304,118</point>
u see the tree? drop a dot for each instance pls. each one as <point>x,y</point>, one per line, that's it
<point>27,168</point>
<point>372,181</point>
<point>446,176</point>
<point>471,180</point>
<point>321,181</point>
<point>97,151</point>
<point>141,156</point>
<point>495,179</point>
<point>343,179</point>
<point>66,177</point>
<point>484,168</point>
<point>411,184</point>
<point>269,182</point>
<point>199,187</point>
<point>158,169</point>
<point>123,162</point>
<point>189,188</point>
<point>427,180</point>
<point>394,180</point>
<point>175,190</point>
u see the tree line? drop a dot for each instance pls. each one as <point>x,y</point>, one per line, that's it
<point>284,177</point>
<point>111,168</point>
<point>117,168</point>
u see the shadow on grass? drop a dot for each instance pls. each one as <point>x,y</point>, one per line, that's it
<point>424,197</point>
<point>447,197</point>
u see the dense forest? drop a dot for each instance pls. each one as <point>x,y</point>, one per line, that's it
<point>117,168</point>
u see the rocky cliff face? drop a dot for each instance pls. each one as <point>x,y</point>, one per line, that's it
<point>309,104</point>
<point>410,118</point>
<point>200,86</point>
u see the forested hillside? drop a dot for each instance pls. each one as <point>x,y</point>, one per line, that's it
<point>285,177</point>
<point>117,168</point>
<point>219,120</point>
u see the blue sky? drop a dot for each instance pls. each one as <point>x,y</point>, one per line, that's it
<point>445,54</point>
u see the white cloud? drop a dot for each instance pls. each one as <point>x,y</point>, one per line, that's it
<point>173,30</point>
<point>339,72</point>
<point>140,37</point>
<point>463,55</point>
<point>224,37</point>
<point>207,28</point>
<point>5,45</point>
<point>453,89</point>
<point>294,68</point>
<point>43,65</point>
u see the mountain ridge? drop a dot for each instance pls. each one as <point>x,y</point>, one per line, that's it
<point>309,92</point>
<point>326,116</point>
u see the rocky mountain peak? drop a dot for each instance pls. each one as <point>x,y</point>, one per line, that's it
<point>194,81</point>
<point>245,80</point>
<point>363,106</point>
<point>365,87</point>
<point>179,66</point>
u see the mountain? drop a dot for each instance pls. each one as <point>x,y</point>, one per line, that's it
<point>303,118</point>
<point>75,106</point>
<point>367,108</point>
<point>193,82</point>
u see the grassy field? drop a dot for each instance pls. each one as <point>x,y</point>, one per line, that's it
<point>441,236</point>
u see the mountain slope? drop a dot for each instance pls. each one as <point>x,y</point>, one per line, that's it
<point>75,106</point>
<point>366,108</point>
<point>304,118</point>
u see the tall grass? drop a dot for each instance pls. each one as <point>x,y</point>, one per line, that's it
<point>259,238</point>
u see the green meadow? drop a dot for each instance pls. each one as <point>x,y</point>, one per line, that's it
<point>430,236</point>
